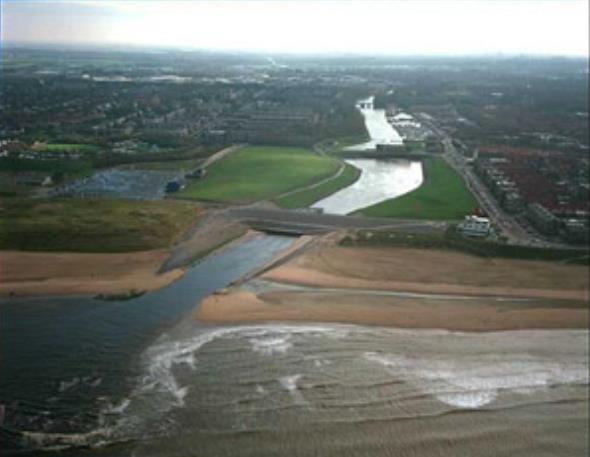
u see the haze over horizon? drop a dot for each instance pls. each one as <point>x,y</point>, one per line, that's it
<point>423,27</point>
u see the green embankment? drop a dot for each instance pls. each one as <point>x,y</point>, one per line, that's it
<point>69,147</point>
<point>260,172</point>
<point>307,197</point>
<point>74,168</point>
<point>85,225</point>
<point>442,196</point>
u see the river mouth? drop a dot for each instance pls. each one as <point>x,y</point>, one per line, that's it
<point>68,363</point>
<point>380,180</point>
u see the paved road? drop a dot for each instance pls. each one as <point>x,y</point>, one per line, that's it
<point>221,154</point>
<point>510,227</point>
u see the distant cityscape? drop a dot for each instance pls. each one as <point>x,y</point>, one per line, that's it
<point>524,134</point>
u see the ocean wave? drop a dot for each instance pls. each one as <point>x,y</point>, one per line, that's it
<point>270,346</point>
<point>290,384</point>
<point>476,381</point>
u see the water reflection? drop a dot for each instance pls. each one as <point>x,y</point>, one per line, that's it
<point>380,180</point>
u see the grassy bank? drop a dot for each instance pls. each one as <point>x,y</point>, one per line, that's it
<point>73,168</point>
<point>67,147</point>
<point>83,225</point>
<point>261,172</point>
<point>442,196</point>
<point>453,241</point>
<point>307,197</point>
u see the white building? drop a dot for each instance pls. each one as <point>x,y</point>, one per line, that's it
<point>475,226</point>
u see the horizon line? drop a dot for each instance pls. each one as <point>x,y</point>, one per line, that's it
<point>32,45</point>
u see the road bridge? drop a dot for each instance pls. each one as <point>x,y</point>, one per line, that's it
<point>294,222</point>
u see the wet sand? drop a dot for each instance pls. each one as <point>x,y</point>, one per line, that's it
<point>45,273</point>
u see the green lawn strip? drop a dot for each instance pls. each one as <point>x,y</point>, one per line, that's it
<point>72,168</point>
<point>442,196</point>
<point>93,225</point>
<point>69,147</point>
<point>451,240</point>
<point>307,197</point>
<point>260,172</point>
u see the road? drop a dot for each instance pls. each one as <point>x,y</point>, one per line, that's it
<point>510,227</point>
<point>316,184</point>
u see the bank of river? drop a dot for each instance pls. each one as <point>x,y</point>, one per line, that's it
<point>380,180</point>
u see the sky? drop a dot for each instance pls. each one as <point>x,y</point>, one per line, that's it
<point>382,27</point>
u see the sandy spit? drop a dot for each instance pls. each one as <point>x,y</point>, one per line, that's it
<point>481,314</point>
<point>55,273</point>
<point>292,274</point>
<point>460,292</point>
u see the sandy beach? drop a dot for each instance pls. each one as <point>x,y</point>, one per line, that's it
<point>49,273</point>
<point>477,314</point>
<point>408,288</point>
<point>432,271</point>
<point>70,273</point>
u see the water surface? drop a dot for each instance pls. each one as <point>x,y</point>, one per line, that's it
<point>379,180</point>
<point>307,390</point>
<point>380,131</point>
<point>67,364</point>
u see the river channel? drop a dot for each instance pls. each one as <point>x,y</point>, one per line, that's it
<point>380,180</point>
<point>68,363</point>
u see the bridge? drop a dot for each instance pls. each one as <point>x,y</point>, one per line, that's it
<point>221,225</point>
<point>290,222</point>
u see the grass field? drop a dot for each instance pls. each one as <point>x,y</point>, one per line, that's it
<point>73,168</point>
<point>442,196</point>
<point>307,197</point>
<point>69,147</point>
<point>84,225</point>
<point>260,172</point>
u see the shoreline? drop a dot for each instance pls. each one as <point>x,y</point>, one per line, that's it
<point>480,314</point>
<point>33,274</point>
<point>28,274</point>
<point>406,288</point>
